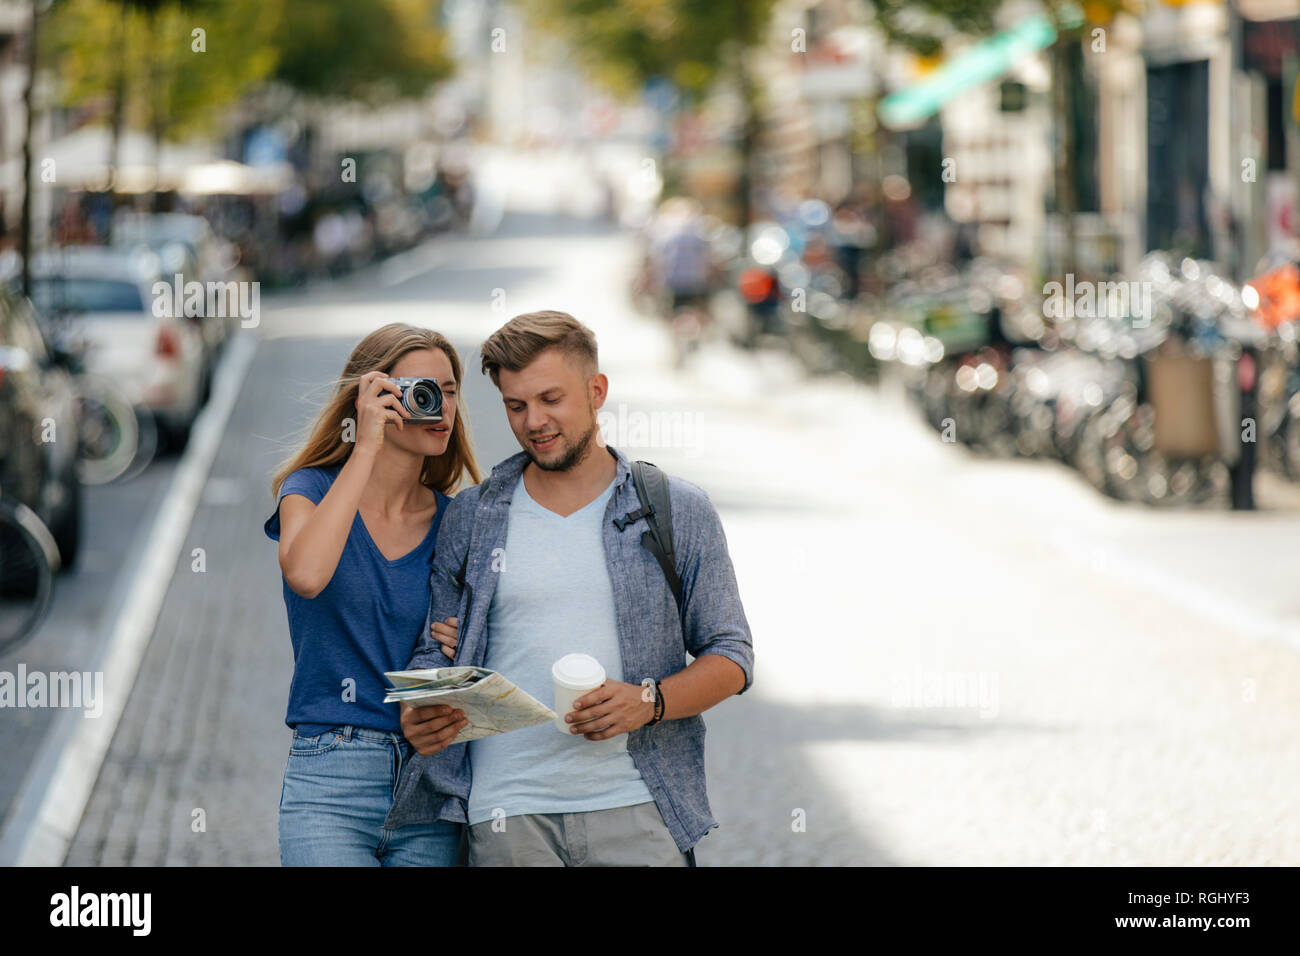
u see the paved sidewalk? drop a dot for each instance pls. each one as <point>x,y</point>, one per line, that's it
<point>192,775</point>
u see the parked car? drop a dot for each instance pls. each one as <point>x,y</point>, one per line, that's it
<point>38,426</point>
<point>213,256</point>
<point>131,336</point>
<point>185,246</point>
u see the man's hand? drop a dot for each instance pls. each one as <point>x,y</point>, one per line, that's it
<point>431,729</point>
<point>446,633</point>
<point>611,709</point>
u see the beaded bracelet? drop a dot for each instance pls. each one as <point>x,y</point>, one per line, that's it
<point>659,706</point>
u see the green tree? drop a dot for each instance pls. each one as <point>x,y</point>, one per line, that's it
<point>157,79</point>
<point>368,50</point>
<point>922,25</point>
<point>174,65</point>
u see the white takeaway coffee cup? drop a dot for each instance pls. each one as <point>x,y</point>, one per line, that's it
<point>574,675</point>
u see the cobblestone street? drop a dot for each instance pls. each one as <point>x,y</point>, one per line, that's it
<point>958,661</point>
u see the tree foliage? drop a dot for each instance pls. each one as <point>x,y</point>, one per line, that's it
<point>149,48</point>
<point>688,42</point>
<point>923,26</point>
<point>369,50</point>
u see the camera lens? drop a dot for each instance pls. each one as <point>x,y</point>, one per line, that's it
<point>424,398</point>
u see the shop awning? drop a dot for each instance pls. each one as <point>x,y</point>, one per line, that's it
<point>985,61</point>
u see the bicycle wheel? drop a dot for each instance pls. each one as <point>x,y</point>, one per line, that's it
<point>1088,454</point>
<point>146,447</point>
<point>110,433</point>
<point>996,425</point>
<point>1181,482</point>
<point>1138,472</point>
<point>28,560</point>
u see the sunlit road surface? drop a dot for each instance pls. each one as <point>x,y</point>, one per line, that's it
<point>958,661</point>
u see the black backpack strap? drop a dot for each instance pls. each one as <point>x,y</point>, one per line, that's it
<point>656,507</point>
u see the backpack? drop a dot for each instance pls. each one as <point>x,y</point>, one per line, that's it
<point>652,492</point>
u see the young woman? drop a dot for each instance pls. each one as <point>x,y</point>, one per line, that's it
<point>356,518</point>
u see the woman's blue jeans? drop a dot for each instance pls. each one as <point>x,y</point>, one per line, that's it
<point>338,789</point>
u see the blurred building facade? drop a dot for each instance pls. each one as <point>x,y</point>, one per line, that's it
<point>1196,115</point>
<point>1182,126</point>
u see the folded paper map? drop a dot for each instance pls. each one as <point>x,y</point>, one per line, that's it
<point>492,704</point>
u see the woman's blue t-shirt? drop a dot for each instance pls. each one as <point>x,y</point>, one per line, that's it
<point>366,621</point>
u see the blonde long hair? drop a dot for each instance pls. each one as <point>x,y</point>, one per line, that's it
<point>382,349</point>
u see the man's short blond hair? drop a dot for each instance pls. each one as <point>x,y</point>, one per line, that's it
<point>517,343</point>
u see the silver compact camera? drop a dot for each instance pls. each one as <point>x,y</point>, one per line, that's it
<point>421,397</point>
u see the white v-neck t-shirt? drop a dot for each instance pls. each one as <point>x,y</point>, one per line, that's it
<point>554,597</point>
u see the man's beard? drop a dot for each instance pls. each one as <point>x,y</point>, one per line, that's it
<point>571,458</point>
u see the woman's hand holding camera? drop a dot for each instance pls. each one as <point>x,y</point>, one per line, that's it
<point>379,402</point>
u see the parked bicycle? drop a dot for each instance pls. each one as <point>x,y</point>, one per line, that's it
<point>116,440</point>
<point>29,559</point>
<point>1172,433</point>
<point>1145,403</point>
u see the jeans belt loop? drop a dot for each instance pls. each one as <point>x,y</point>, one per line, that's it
<point>347,732</point>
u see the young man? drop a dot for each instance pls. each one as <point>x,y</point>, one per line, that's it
<point>548,572</point>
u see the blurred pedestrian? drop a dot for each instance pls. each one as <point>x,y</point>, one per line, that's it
<point>330,240</point>
<point>681,253</point>
<point>850,235</point>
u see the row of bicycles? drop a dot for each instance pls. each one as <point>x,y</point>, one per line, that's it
<point>46,395</point>
<point>1165,389</point>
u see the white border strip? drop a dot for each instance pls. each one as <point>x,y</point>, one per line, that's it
<point>47,811</point>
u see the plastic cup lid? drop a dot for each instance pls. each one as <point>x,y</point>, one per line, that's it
<point>578,671</point>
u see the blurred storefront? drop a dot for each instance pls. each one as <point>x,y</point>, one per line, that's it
<point>1182,133</point>
<point>996,161</point>
<point>989,103</point>
<point>821,80</point>
<point>1267,110</point>
<point>1187,56</point>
